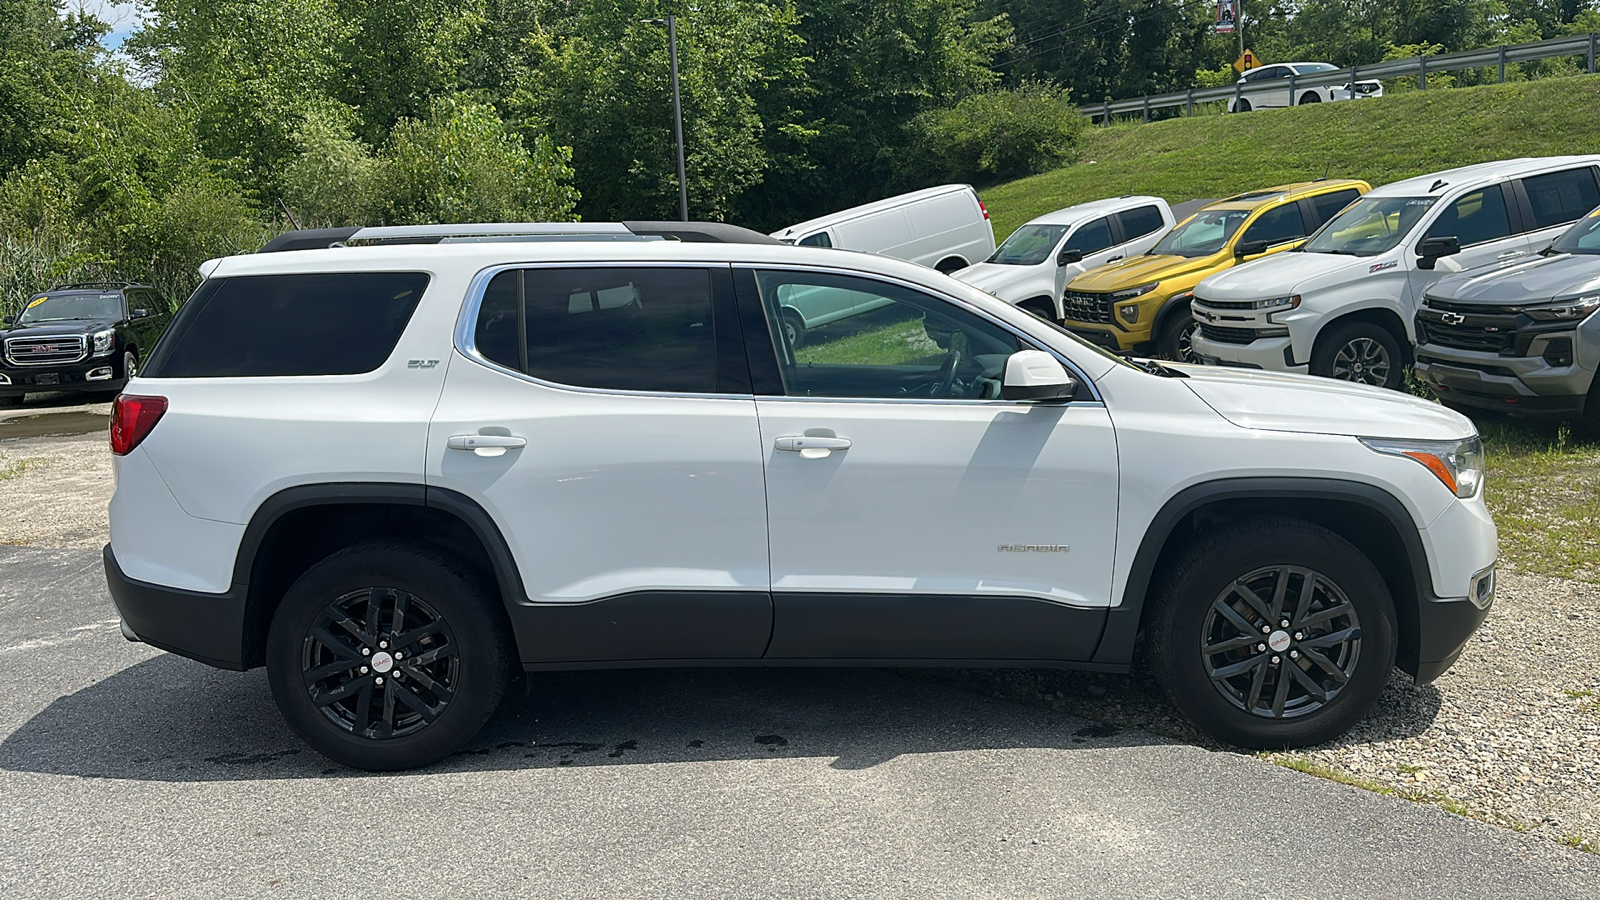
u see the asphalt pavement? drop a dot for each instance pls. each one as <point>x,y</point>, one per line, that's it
<point>128,772</point>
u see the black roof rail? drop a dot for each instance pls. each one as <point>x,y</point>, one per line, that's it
<point>118,285</point>
<point>691,232</point>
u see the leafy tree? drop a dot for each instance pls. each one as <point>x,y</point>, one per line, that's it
<point>997,135</point>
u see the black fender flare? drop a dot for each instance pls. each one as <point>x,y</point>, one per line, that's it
<point>1168,310</point>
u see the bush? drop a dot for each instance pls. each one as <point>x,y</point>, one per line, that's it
<point>1000,135</point>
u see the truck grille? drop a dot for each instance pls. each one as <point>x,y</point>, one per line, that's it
<point>1081,307</point>
<point>47,351</point>
<point>1465,337</point>
<point>1227,335</point>
<point>1467,326</point>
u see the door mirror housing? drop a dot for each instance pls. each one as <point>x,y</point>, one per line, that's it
<point>9,320</point>
<point>1433,248</point>
<point>1036,375</point>
<point>1068,256</point>
<point>141,313</point>
<point>1250,248</point>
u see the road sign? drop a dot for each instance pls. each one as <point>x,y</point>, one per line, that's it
<point>1246,61</point>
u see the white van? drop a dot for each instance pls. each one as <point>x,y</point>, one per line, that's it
<point>945,228</point>
<point>1343,305</point>
<point>1037,260</point>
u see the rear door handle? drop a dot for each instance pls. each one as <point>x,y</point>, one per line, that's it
<point>486,444</point>
<point>801,444</point>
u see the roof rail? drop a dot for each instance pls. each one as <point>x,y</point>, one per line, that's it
<point>97,284</point>
<point>696,232</point>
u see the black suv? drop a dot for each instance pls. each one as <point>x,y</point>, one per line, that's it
<point>79,337</point>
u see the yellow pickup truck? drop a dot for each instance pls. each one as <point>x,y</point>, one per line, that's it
<point>1142,303</point>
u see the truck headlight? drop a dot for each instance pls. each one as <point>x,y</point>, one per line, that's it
<point>1277,303</point>
<point>1457,464</point>
<point>1574,308</point>
<point>1139,291</point>
<point>103,341</point>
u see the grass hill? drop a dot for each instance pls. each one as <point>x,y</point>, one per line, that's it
<point>1375,140</point>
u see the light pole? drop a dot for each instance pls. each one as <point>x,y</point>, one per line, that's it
<point>677,111</point>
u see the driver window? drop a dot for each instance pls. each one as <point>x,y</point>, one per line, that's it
<point>842,336</point>
<point>1090,238</point>
<point>1277,225</point>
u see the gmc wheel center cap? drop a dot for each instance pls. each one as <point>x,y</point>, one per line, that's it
<point>382,662</point>
<point>1278,641</point>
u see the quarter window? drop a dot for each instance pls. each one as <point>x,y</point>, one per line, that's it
<point>843,336</point>
<point>1277,225</point>
<point>1090,238</point>
<point>634,329</point>
<point>1561,197</point>
<point>1474,219</point>
<point>1136,223</point>
<point>820,239</point>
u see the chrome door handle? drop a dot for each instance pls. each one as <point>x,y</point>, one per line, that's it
<point>802,443</point>
<point>501,442</point>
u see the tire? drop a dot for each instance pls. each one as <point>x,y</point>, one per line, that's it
<point>794,328</point>
<point>1243,106</point>
<point>1040,307</point>
<point>1249,708</point>
<point>378,725</point>
<point>1175,340</point>
<point>1359,352</point>
<point>1587,426</point>
<point>1310,97</point>
<point>130,365</point>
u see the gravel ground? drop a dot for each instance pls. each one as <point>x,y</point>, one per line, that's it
<point>1510,735</point>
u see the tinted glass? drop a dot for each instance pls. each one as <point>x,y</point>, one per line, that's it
<point>1090,238</point>
<point>1371,225</point>
<point>1203,234</point>
<point>1277,225</point>
<point>820,239</point>
<point>1561,197</point>
<point>1478,217</point>
<point>1028,245</point>
<point>1311,68</point>
<point>1326,206</point>
<point>880,340</point>
<point>341,323</point>
<point>67,306</point>
<point>632,329</point>
<point>1136,223</point>
<point>1583,237</point>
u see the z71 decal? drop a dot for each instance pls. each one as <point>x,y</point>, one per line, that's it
<point>1379,267</point>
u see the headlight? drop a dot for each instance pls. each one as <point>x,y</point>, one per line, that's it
<point>102,341</point>
<point>1575,308</point>
<point>1139,291</point>
<point>1277,303</point>
<point>1457,464</point>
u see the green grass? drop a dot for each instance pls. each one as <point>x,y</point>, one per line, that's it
<point>1375,140</point>
<point>886,337</point>
<point>1543,489</point>
<point>19,468</point>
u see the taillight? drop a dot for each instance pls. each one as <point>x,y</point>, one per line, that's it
<point>984,209</point>
<point>132,418</point>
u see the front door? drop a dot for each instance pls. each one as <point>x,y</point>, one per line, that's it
<point>615,446</point>
<point>1482,225</point>
<point>912,514</point>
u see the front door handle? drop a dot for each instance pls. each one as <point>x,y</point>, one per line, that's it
<point>811,447</point>
<point>1512,254</point>
<point>486,444</point>
<point>1112,259</point>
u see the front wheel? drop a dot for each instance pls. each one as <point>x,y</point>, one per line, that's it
<point>386,656</point>
<point>1360,352</point>
<point>1176,341</point>
<point>1272,633</point>
<point>794,328</point>
<point>1310,97</point>
<point>1243,106</point>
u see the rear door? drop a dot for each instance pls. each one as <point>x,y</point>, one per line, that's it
<point>912,516</point>
<point>602,416</point>
<point>1551,202</point>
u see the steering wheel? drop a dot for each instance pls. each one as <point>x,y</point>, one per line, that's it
<point>947,373</point>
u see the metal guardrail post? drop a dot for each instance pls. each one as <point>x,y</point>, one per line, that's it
<point>1502,64</point>
<point>1147,109</point>
<point>1422,73</point>
<point>1293,77</point>
<point>1106,119</point>
<point>1235,97</point>
<point>1591,52</point>
<point>1190,110</point>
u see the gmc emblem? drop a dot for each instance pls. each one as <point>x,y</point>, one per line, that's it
<point>1451,318</point>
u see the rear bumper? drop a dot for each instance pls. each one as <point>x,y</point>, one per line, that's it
<point>208,628</point>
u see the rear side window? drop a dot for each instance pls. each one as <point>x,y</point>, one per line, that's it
<point>338,323</point>
<point>630,329</point>
<point>1474,219</point>
<point>1561,197</point>
<point>1326,206</point>
<point>820,239</point>
<point>1136,223</point>
<point>1090,238</point>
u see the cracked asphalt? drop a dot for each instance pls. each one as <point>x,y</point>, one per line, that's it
<point>125,771</point>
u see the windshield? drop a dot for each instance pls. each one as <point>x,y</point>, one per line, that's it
<point>1204,234</point>
<point>1370,225</point>
<point>1029,245</point>
<point>75,305</point>
<point>1584,237</point>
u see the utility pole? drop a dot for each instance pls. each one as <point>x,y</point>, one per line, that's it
<point>1238,24</point>
<point>677,112</point>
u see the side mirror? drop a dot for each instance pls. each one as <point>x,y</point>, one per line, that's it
<point>141,314</point>
<point>1250,248</point>
<point>1036,375</point>
<point>1067,257</point>
<point>1433,248</point>
<point>9,320</point>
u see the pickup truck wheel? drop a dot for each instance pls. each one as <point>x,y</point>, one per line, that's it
<point>794,328</point>
<point>1272,633</point>
<point>385,656</point>
<point>1360,352</point>
<point>1176,341</point>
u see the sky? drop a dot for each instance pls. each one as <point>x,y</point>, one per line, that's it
<point>122,15</point>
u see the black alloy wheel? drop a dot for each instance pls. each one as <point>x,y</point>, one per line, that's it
<point>1271,632</point>
<point>388,656</point>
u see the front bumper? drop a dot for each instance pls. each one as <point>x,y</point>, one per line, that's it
<point>1517,385</point>
<point>204,627</point>
<point>1443,629</point>
<point>95,374</point>
<point>1273,353</point>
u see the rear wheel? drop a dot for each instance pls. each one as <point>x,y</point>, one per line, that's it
<point>1243,106</point>
<point>1360,352</point>
<point>1310,97</point>
<point>1272,633</point>
<point>385,656</point>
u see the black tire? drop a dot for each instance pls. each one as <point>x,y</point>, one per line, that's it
<point>794,328</point>
<point>1243,106</point>
<point>130,365</point>
<point>1040,307</point>
<point>1310,97</point>
<point>450,620</point>
<point>1175,342</point>
<point>1587,426</point>
<point>1359,352</point>
<point>1185,618</point>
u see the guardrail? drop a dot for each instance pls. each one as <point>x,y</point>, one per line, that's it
<point>1419,66</point>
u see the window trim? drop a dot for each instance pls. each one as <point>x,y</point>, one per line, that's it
<point>759,346</point>
<point>465,338</point>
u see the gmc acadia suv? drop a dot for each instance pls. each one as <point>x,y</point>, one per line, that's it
<point>393,472</point>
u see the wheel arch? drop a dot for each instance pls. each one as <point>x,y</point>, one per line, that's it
<point>300,526</point>
<point>1369,517</point>
<point>1384,318</point>
<point>1169,309</point>
<point>952,263</point>
<point>1043,301</point>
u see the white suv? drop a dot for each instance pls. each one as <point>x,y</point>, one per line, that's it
<point>395,473</point>
<point>1343,304</point>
